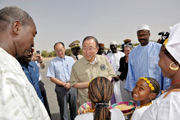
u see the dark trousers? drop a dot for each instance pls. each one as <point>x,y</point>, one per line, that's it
<point>65,96</point>
<point>43,93</point>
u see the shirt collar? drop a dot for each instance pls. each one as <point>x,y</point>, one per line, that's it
<point>94,62</point>
<point>25,65</point>
<point>61,58</point>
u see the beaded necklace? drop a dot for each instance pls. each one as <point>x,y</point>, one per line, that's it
<point>145,105</point>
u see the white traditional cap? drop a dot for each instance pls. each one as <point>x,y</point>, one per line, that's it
<point>172,44</point>
<point>113,43</point>
<point>143,27</point>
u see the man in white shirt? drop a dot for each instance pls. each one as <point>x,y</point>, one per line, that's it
<point>115,57</point>
<point>18,99</point>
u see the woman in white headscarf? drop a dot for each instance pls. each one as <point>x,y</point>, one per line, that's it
<point>167,106</point>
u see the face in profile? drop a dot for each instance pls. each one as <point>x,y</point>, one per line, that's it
<point>141,91</point>
<point>27,57</point>
<point>143,37</point>
<point>164,62</point>
<point>60,50</point>
<point>90,49</point>
<point>113,48</point>
<point>25,39</point>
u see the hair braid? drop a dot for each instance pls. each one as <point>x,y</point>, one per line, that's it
<point>101,90</point>
<point>155,84</point>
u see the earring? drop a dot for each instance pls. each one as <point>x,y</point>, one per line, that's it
<point>172,68</point>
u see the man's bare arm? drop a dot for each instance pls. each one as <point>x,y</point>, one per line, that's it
<point>81,85</point>
<point>57,81</point>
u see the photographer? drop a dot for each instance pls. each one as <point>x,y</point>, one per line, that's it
<point>38,59</point>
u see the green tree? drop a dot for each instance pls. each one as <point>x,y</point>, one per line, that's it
<point>135,44</point>
<point>52,54</point>
<point>68,52</point>
<point>119,46</point>
<point>45,53</point>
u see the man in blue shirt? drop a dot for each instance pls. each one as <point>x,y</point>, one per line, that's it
<point>143,61</point>
<point>31,70</point>
<point>59,72</point>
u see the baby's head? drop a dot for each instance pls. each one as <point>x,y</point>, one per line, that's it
<point>146,90</point>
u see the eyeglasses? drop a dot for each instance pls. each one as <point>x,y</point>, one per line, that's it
<point>88,49</point>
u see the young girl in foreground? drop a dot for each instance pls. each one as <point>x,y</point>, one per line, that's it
<point>145,91</point>
<point>100,91</point>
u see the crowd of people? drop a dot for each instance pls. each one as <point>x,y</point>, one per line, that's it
<point>137,74</point>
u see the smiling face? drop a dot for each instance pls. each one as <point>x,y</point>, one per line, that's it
<point>75,51</point>
<point>113,48</point>
<point>142,92</point>
<point>127,50</point>
<point>90,50</point>
<point>143,37</point>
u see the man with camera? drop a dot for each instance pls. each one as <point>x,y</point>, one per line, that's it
<point>38,59</point>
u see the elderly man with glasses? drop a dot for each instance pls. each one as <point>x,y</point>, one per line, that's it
<point>89,67</point>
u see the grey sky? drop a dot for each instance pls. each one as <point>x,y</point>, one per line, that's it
<point>107,20</point>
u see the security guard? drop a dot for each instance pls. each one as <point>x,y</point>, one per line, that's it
<point>75,48</point>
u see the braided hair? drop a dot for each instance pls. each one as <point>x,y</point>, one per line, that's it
<point>155,84</point>
<point>100,92</point>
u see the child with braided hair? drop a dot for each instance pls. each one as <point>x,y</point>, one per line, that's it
<point>100,91</point>
<point>145,91</point>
